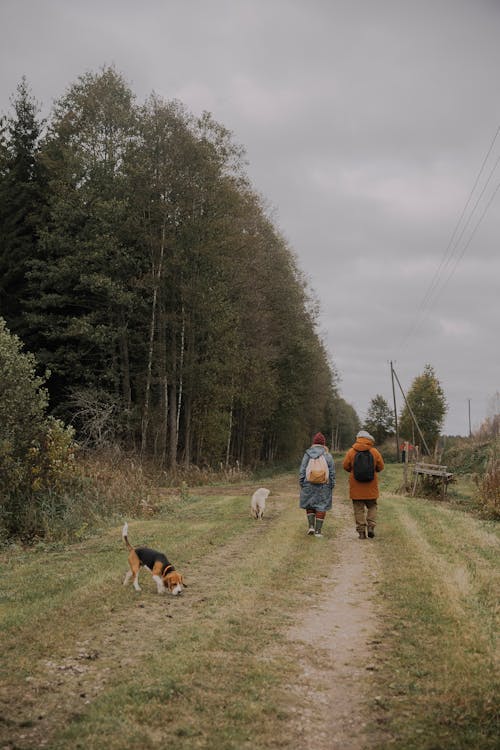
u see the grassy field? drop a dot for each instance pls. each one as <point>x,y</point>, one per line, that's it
<point>88,663</point>
<point>439,671</point>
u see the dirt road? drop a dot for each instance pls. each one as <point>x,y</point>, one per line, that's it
<point>336,645</point>
<point>331,637</point>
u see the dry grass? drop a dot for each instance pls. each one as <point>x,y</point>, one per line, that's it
<point>439,677</point>
<point>104,666</point>
<point>127,483</point>
<point>90,664</point>
<point>488,489</point>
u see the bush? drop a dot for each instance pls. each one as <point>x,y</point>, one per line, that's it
<point>477,460</point>
<point>488,494</point>
<point>467,456</point>
<point>38,479</point>
<point>388,451</point>
<point>47,491</point>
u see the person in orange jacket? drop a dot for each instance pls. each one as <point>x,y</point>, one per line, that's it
<point>363,462</point>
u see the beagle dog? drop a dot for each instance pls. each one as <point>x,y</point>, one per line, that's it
<point>164,574</point>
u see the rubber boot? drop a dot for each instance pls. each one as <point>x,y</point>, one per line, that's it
<point>318,527</point>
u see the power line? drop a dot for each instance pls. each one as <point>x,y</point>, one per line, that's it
<point>441,284</point>
<point>437,284</point>
<point>459,258</point>
<point>451,244</point>
<point>469,220</point>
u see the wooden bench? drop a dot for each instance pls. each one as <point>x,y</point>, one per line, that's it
<point>436,473</point>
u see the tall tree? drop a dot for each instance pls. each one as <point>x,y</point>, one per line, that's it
<point>345,424</point>
<point>83,281</point>
<point>22,203</point>
<point>179,184</point>
<point>379,419</point>
<point>162,296</point>
<point>427,401</point>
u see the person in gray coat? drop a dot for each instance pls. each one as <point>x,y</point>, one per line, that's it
<point>316,496</point>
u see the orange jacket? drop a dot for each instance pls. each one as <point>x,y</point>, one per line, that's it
<point>363,490</point>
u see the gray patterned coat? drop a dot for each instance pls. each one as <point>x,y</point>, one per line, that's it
<point>317,496</point>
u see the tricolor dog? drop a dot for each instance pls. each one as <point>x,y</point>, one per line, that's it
<point>164,574</point>
<point>258,504</point>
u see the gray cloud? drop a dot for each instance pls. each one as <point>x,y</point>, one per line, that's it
<point>365,125</point>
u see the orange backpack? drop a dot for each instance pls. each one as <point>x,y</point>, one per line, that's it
<point>317,471</point>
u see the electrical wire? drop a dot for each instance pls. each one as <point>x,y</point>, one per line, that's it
<point>449,256</point>
<point>451,244</point>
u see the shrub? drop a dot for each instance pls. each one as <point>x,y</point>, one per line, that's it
<point>488,492</point>
<point>477,460</point>
<point>467,456</point>
<point>37,467</point>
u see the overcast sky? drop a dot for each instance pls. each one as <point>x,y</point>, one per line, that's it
<point>365,123</point>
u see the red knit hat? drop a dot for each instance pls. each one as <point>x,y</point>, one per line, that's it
<point>319,439</point>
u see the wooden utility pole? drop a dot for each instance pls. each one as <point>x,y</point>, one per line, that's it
<point>412,414</point>
<point>395,413</point>
<point>470,429</point>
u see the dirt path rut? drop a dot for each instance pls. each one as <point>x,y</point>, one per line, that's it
<point>332,639</point>
<point>336,646</point>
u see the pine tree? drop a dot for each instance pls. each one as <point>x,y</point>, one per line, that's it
<point>427,401</point>
<point>379,419</point>
<point>83,290</point>
<point>23,195</point>
<point>166,304</point>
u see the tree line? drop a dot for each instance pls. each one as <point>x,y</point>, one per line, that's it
<point>165,310</point>
<point>422,415</point>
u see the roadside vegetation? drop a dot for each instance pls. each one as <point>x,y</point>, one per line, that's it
<point>476,461</point>
<point>138,263</point>
<point>439,665</point>
<point>137,267</point>
<point>104,666</point>
<point>88,663</point>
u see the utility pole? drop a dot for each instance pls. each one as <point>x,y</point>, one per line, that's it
<point>470,429</point>
<point>395,413</point>
<point>412,415</point>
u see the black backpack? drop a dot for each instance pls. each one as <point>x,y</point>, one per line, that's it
<point>363,466</point>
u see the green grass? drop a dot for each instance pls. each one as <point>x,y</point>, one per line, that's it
<point>194,675</point>
<point>89,664</point>
<point>438,678</point>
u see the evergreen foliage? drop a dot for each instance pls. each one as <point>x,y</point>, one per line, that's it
<point>379,419</point>
<point>428,404</point>
<point>160,295</point>
<point>23,195</point>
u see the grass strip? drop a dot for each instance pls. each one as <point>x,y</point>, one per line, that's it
<point>438,679</point>
<point>208,669</point>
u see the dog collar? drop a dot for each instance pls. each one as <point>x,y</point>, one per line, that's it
<point>166,568</point>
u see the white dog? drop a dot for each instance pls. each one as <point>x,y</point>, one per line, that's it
<point>258,504</point>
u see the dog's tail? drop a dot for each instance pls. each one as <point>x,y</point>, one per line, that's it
<point>125,536</point>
